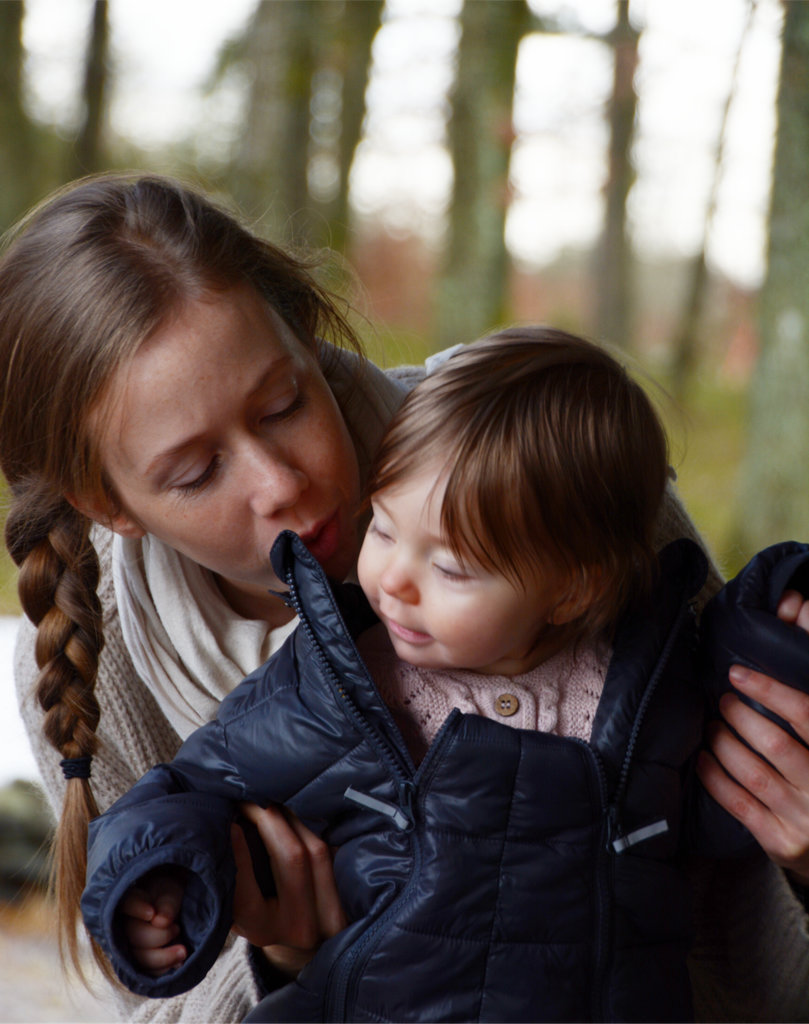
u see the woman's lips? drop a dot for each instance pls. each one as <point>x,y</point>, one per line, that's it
<point>324,541</point>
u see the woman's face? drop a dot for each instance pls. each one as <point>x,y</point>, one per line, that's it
<point>220,433</point>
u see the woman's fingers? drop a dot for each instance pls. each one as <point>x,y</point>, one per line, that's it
<point>306,908</point>
<point>781,836</point>
<point>787,702</point>
<point>330,915</point>
<point>734,798</point>
<point>771,799</point>
<point>766,787</point>
<point>794,608</point>
<point>769,740</point>
<point>295,908</point>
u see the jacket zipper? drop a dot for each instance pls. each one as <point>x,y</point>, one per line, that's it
<point>351,963</point>
<point>603,889</point>
<point>612,831</point>
<point>389,755</point>
<point>616,807</point>
<point>344,969</point>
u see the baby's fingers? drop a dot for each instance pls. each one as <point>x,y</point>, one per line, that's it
<point>136,903</point>
<point>167,903</point>
<point>159,961</point>
<point>141,935</point>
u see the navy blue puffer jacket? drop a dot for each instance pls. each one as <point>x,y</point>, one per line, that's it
<point>512,876</point>
<point>740,625</point>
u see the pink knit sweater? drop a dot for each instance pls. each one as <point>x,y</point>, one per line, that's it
<point>559,696</point>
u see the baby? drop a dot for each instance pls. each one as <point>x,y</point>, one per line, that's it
<point>497,736</point>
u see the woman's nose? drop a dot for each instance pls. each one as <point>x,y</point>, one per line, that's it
<point>397,581</point>
<point>277,483</point>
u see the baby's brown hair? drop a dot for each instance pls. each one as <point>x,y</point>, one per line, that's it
<point>553,452</point>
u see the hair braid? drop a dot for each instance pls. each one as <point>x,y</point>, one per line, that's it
<point>57,584</point>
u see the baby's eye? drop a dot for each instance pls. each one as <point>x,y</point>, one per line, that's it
<point>378,531</point>
<point>452,572</point>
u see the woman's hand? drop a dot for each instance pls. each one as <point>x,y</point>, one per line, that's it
<point>772,800</point>
<point>150,910</point>
<point>306,910</point>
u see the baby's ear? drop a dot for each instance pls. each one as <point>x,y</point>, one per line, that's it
<point>102,510</point>
<point>583,588</point>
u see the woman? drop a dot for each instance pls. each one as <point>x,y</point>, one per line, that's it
<point>163,379</point>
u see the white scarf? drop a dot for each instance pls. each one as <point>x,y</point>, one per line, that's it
<point>185,640</point>
<point>187,644</point>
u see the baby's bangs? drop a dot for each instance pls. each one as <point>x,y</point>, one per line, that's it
<point>489,524</point>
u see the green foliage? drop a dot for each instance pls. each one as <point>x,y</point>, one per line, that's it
<point>388,347</point>
<point>707,437</point>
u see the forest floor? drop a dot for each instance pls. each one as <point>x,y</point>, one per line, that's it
<point>33,986</point>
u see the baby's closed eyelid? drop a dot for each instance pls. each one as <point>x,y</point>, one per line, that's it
<point>377,530</point>
<point>452,570</point>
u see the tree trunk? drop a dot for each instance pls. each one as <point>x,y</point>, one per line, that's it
<point>16,136</point>
<point>613,255</point>
<point>359,26</point>
<point>307,63</point>
<point>87,154</point>
<point>270,166</point>
<point>472,292</point>
<point>775,483</point>
<point>686,341</point>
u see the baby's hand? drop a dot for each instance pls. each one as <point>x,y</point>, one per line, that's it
<point>150,910</point>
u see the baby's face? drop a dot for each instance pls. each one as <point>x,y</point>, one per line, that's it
<point>440,613</point>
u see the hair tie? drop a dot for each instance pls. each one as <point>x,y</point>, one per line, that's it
<point>76,767</point>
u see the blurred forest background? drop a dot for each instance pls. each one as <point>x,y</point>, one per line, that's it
<point>635,171</point>
<point>600,166</point>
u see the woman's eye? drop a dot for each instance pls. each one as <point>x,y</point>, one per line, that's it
<point>287,408</point>
<point>200,481</point>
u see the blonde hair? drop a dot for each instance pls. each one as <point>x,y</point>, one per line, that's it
<point>553,452</point>
<point>84,280</point>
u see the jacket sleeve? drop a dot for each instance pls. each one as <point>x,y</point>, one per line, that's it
<point>739,625</point>
<point>178,814</point>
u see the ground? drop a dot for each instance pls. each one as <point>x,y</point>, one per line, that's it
<point>33,987</point>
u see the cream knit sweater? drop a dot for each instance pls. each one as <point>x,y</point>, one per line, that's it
<point>751,961</point>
